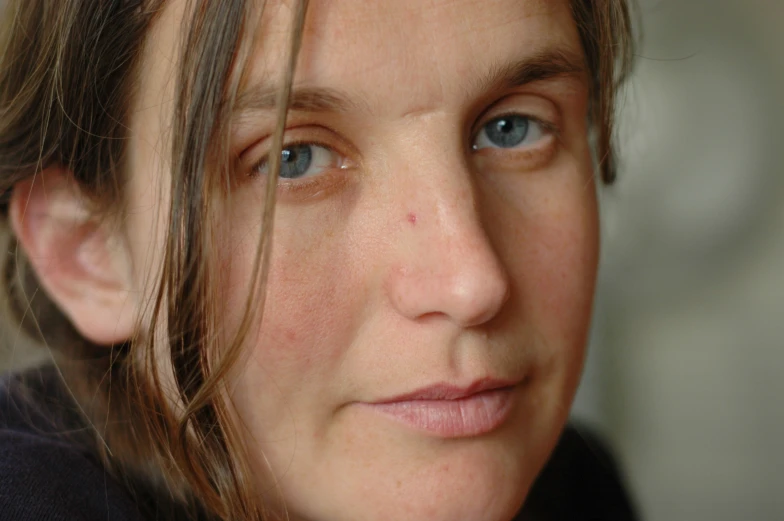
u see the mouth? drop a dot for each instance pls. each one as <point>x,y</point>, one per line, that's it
<point>448,411</point>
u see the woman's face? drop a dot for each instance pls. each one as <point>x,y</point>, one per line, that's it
<point>436,226</point>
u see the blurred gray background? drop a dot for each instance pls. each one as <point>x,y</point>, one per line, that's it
<point>686,367</point>
<point>686,370</point>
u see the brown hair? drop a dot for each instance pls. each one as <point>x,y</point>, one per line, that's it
<point>67,80</point>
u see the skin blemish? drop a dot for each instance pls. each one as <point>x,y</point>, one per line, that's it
<point>412,218</point>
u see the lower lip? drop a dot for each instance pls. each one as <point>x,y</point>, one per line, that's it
<point>474,415</point>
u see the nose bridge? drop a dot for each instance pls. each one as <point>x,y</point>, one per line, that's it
<point>446,263</point>
<point>432,165</point>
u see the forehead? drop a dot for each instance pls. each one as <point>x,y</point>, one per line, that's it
<point>403,56</point>
<point>415,50</point>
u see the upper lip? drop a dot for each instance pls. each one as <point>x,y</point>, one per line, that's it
<point>446,391</point>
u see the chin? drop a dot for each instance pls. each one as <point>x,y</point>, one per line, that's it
<point>452,480</point>
<point>456,491</point>
<point>483,479</point>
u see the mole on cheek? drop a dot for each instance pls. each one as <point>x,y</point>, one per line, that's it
<point>412,218</point>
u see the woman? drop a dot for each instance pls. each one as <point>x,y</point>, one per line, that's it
<point>403,342</point>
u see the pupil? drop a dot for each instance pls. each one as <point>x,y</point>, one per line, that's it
<point>505,126</point>
<point>507,131</point>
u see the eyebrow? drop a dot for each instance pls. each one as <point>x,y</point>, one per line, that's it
<point>303,99</point>
<point>543,66</point>
<point>546,65</point>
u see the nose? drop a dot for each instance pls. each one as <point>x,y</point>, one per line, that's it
<point>446,263</point>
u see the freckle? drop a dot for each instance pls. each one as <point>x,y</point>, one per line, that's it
<point>412,218</point>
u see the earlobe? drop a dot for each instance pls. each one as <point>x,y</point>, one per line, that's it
<point>80,261</point>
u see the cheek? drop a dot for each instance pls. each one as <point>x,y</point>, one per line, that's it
<point>550,248</point>
<point>564,273</point>
<point>309,313</point>
<point>306,324</point>
<point>565,261</point>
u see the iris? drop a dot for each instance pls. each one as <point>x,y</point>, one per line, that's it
<point>507,131</point>
<point>295,161</point>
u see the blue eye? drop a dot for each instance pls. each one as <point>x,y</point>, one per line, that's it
<point>509,131</point>
<point>303,160</point>
<point>295,161</point>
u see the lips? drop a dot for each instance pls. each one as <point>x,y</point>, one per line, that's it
<point>445,391</point>
<point>449,411</point>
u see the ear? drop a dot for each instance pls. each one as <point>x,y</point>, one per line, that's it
<point>81,262</point>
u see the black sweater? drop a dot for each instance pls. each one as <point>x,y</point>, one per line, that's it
<point>47,474</point>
